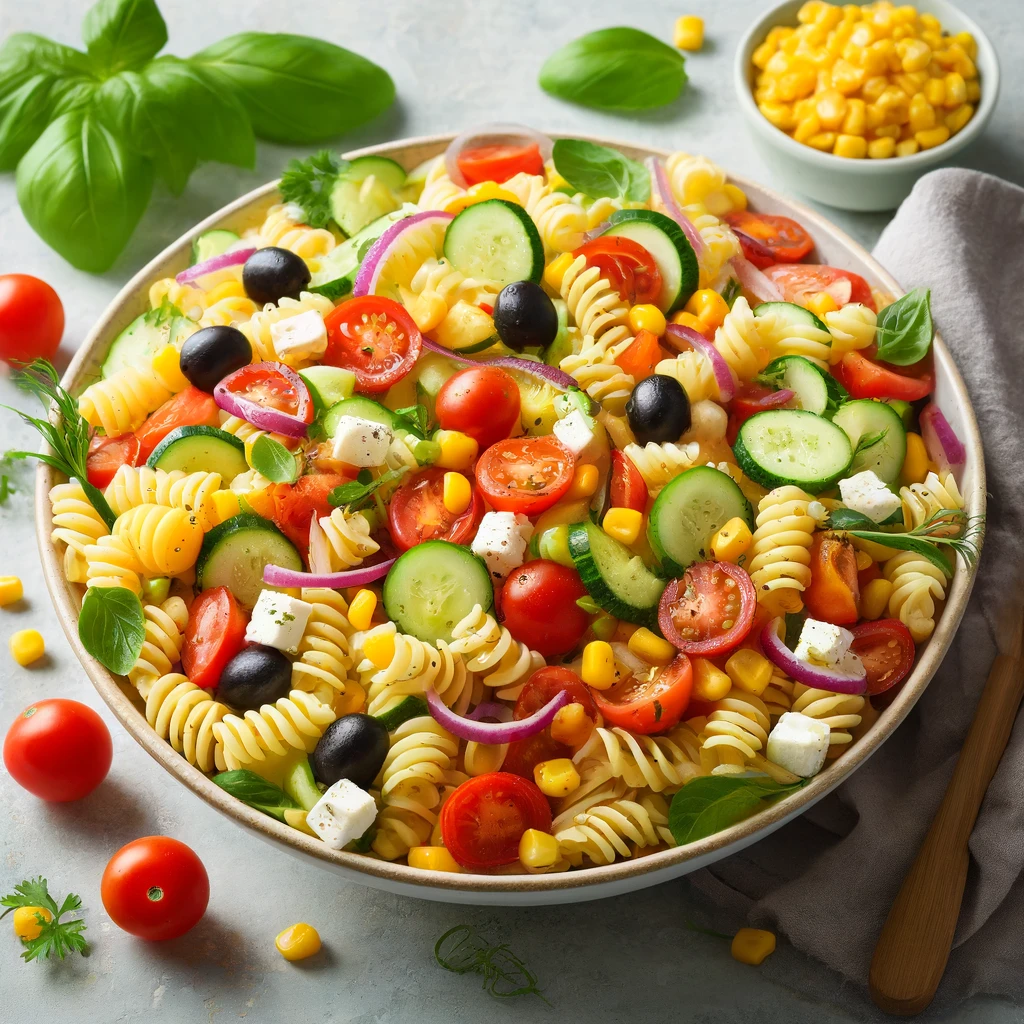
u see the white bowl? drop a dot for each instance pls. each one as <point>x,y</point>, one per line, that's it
<point>833,246</point>
<point>840,181</point>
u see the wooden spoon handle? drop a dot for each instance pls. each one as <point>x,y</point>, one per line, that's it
<point>917,937</point>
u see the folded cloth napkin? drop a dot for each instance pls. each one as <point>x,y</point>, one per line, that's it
<point>827,880</point>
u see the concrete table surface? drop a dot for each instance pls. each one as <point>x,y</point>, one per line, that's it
<point>455,63</point>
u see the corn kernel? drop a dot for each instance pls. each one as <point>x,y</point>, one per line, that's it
<point>853,147</point>
<point>874,87</point>
<point>763,54</point>
<point>824,141</point>
<point>846,78</point>
<point>598,668</point>
<point>26,921</point>
<point>433,858</point>
<point>11,589</point>
<point>651,648</point>
<point>855,122</point>
<point>456,493</point>
<point>881,149</point>
<point>707,305</point>
<point>298,942</point>
<point>380,649</point>
<point>557,777</point>
<point>360,611</point>
<point>907,148</point>
<point>916,55</point>
<point>624,524</point>
<point>915,463</point>
<point>27,645</point>
<point>538,849</point>
<point>864,560</point>
<point>689,32</point>
<point>226,505</point>
<point>807,128</point>
<point>779,114</point>
<point>821,303</point>
<point>572,725</point>
<point>973,91</point>
<point>555,271</point>
<point>796,84</point>
<point>888,131</point>
<point>584,482</point>
<point>167,366</point>
<point>956,90</point>
<point>691,321</point>
<point>831,108</point>
<point>956,119</point>
<point>749,671</point>
<point>874,598</point>
<point>935,92</point>
<point>732,541</point>
<point>710,683</point>
<point>932,137</point>
<point>647,317</point>
<point>458,450</point>
<point>922,114</point>
<point>752,945</point>
<point>968,44</point>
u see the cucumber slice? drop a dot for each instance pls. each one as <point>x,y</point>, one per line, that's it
<point>689,511</point>
<point>866,419</point>
<point>616,579</point>
<point>790,313</point>
<point>382,168</point>
<point>791,446</point>
<point>497,241</point>
<point>363,407</point>
<point>807,382</point>
<point>145,336</point>
<point>408,707</point>
<point>431,371</point>
<point>433,586</point>
<point>366,191</point>
<point>206,449</point>
<point>235,553</point>
<point>328,385</point>
<point>212,243</point>
<point>903,409</point>
<point>562,345</point>
<point>663,238</point>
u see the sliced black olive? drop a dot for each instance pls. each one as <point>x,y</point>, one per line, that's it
<point>658,410</point>
<point>270,274</point>
<point>524,316</point>
<point>352,747</point>
<point>210,354</point>
<point>253,677</point>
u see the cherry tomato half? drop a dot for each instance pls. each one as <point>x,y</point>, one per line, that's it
<point>710,610</point>
<point>629,268</point>
<point>108,454</point>
<point>525,474</point>
<point>641,356</point>
<point>31,318</point>
<point>834,591</point>
<point>155,888</point>
<point>864,378</point>
<point>887,650</point>
<point>59,750</point>
<point>292,506</point>
<point>538,605</point>
<point>628,488</point>
<point>801,282</point>
<point>481,401</point>
<point>416,512</point>
<point>777,239</point>
<point>499,162</point>
<point>187,408</point>
<point>484,819</point>
<point>266,385</point>
<point>651,703</point>
<point>375,338</point>
<point>214,635</point>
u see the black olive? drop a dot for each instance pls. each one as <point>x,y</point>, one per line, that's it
<point>658,410</point>
<point>270,274</point>
<point>209,355</point>
<point>352,747</point>
<point>524,316</point>
<point>253,677</point>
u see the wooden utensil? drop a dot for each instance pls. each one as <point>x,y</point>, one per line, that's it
<point>913,948</point>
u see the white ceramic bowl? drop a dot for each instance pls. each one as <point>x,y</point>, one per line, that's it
<point>841,181</point>
<point>833,246</point>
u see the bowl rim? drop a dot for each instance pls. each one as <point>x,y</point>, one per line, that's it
<point>989,72</point>
<point>433,884</point>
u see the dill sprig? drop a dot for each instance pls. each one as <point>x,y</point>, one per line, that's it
<point>463,951</point>
<point>68,437</point>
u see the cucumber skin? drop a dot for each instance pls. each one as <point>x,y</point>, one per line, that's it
<point>896,424</point>
<point>243,521</point>
<point>536,244</point>
<point>806,316</point>
<point>181,433</point>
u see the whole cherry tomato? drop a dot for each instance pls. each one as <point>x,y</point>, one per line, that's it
<point>31,318</point>
<point>538,604</point>
<point>481,401</point>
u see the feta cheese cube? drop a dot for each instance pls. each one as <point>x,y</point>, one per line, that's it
<point>501,541</point>
<point>361,442</point>
<point>799,744</point>
<point>278,620</point>
<point>865,493</point>
<point>300,338</point>
<point>574,432</point>
<point>823,644</point>
<point>342,814</point>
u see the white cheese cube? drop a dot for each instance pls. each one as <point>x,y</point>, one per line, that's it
<point>361,442</point>
<point>799,744</point>
<point>342,814</point>
<point>300,338</point>
<point>278,620</point>
<point>865,493</point>
<point>823,644</point>
<point>501,541</point>
<point>574,432</point>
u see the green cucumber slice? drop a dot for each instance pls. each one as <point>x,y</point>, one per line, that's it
<point>808,383</point>
<point>145,336</point>
<point>408,707</point>
<point>382,168</point>
<point>363,407</point>
<point>212,243</point>
<point>205,449</point>
<point>495,241</point>
<point>366,190</point>
<point>865,419</point>
<point>328,385</point>
<point>791,313</point>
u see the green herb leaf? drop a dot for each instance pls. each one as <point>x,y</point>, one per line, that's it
<point>55,935</point>
<point>905,328</point>
<point>309,182</point>
<point>589,605</point>
<point>868,441</point>
<point>6,490</point>
<point>112,627</point>
<point>462,951</point>
<point>271,459</point>
<point>410,707</point>
<point>732,291</point>
<point>708,804</point>
<point>123,34</point>
<point>599,171</point>
<point>794,627</point>
<point>365,842</point>
<point>849,519</point>
<point>837,394</point>
<point>925,547</point>
<point>615,69</point>
<point>414,418</point>
<point>355,494</point>
<point>255,791</point>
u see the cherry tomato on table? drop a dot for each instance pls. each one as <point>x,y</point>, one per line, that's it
<point>188,408</point>
<point>292,506</point>
<point>538,605</point>
<point>481,401</point>
<point>649,703</point>
<point>266,385</point>
<point>375,338</point>
<point>887,650</point>
<point>525,474</point>
<point>710,610</point>
<point>155,888</point>
<point>499,162</point>
<point>834,591</point>
<point>628,267</point>
<point>108,454</point>
<point>800,282</point>
<point>214,635</point>
<point>31,318</point>
<point>59,750</point>
<point>628,489</point>
<point>416,512</point>
<point>867,378</point>
<point>775,239</point>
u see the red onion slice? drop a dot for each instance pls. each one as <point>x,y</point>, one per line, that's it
<point>810,675</point>
<point>589,236</point>
<point>672,208</point>
<point>231,258</point>
<point>751,244</point>
<point>550,374</point>
<point>492,135</point>
<point>755,282</point>
<point>940,440</point>
<point>494,732</point>
<point>281,576</point>
<point>274,420</point>
<point>491,709</point>
<point>723,375</point>
<point>377,255</point>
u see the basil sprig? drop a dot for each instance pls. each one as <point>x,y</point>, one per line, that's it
<point>112,627</point>
<point>905,329</point>
<point>255,791</point>
<point>598,171</point>
<point>271,459</point>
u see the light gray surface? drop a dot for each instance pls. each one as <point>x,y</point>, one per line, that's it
<point>633,957</point>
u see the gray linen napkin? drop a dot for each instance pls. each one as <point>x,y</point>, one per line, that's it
<point>827,880</point>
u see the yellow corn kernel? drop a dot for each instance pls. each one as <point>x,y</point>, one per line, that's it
<point>932,137</point>
<point>855,122</point>
<point>651,648</point>
<point>875,58</point>
<point>557,777</point>
<point>689,320</point>
<point>598,668</point>
<point>458,450</point>
<point>707,305</point>
<point>973,91</point>
<point>360,611</point>
<point>846,77</point>
<point>915,463</point>
<point>967,43</point>
<point>27,645</point>
<point>763,54</point>
<point>572,725</point>
<point>624,524</point>
<point>647,317</point>
<point>584,482</point>
<point>863,561</point>
<point>935,91</point>
<point>821,303</point>
<point>298,942</point>
<point>881,149</point>
<point>956,90</point>
<point>11,589</point>
<point>779,114</point>
<point>854,147</point>
<point>710,683</point>
<point>888,131</point>
<point>796,84</point>
<point>824,141</point>
<point>731,542</point>
<point>749,671</point>
<point>26,921</point>
<point>538,849</point>
<point>456,493</point>
<point>433,858</point>
<point>956,119</point>
<point>809,11</point>
<point>874,598</point>
<point>830,108</point>
<point>807,128</point>
<point>167,366</point>
<point>922,113</point>
<point>752,946</point>
<point>908,147</point>
<point>380,649</point>
<point>874,87</point>
<point>226,505</point>
<point>555,271</point>
<point>778,64</point>
<point>916,55</point>
<point>350,701</point>
<point>689,32</point>
<point>480,193</point>
<point>905,15</point>
<point>930,23</point>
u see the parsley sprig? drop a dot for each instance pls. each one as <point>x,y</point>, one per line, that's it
<point>463,951</point>
<point>358,493</point>
<point>55,936</point>
<point>308,184</point>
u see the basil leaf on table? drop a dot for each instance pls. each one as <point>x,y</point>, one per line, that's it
<point>271,459</point>
<point>905,329</point>
<point>122,34</point>
<point>112,627</point>
<point>598,171</point>
<point>708,804</point>
<point>615,69</point>
<point>255,791</point>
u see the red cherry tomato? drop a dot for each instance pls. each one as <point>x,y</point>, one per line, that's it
<point>416,512</point>
<point>266,385</point>
<point>538,603</point>
<point>214,635</point>
<point>629,268</point>
<point>710,610</point>
<point>155,888</point>
<point>59,750</point>
<point>31,319</point>
<point>649,704</point>
<point>783,237</point>
<point>484,819</point>
<point>108,454</point>
<point>498,163</point>
<point>887,650</point>
<point>641,356</point>
<point>292,506</point>
<point>801,282</point>
<point>834,591</point>
<point>751,398</point>
<point>865,378</point>
<point>187,408</point>
<point>482,401</point>
<point>525,474</point>
<point>628,488</point>
<point>375,338</point>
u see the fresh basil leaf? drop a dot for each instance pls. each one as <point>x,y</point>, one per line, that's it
<point>836,393</point>
<point>599,171</point>
<point>849,519</point>
<point>296,89</point>
<point>922,546</point>
<point>794,627</point>
<point>255,791</point>
<point>905,329</point>
<point>869,441</point>
<point>410,707</point>
<point>708,804</point>
<point>615,69</point>
<point>732,291</point>
<point>271,459</point>
<point>355,494</point>
<point>112,627</point>
<point>123,34</point>
<point>308,183</point>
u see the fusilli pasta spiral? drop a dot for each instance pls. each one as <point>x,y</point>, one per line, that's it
<point>785,336</point>
<point>120,403</point>
<point>165,540</point>
<point>257,327</point>
<point>348,539</point>
<point>660,463</point>
<point>734,735</point>
<point>916,586</point>
<point>780,554</point>
<point>490,650</point>
<point>560,222</point>
<point>284,228</point>
<point>324,661</point>
<point>655,762</point>
<point>605,831</point>
<point>439,189</point>
<point>922,501</point>
<point>694,371</point>
<point>740,342</point>
<point>192,492</point>
<point>191,301</point>
<point>840,711</point>
<point>112,562</point>
<point>75,522</point>
<point>184,715</point>
<point>852,328</point>
<point>165,636</point>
